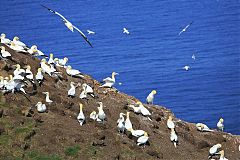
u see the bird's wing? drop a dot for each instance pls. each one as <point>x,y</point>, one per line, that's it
<point>83,35</point>
<point>108,79</point>
<point>64,19</point>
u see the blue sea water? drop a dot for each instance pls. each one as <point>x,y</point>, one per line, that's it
<point>153,55</point>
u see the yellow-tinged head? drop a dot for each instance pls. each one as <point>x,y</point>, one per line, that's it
<point>128,113</point>
<point>154,92</point>
<point>69,67</point>
<point>130,129</point>
<point>65,59</point>
<point>43,60</point>
<point>39,69</point>
<point>146,134</point>
<point>6,78</point>
<point>3,48</point>
<point>221,152</point>
<point>56,59</point>
<point>10,77</point>
<point>3,35</point>
<point>170,118</point>
<point>1,77</point>
<point>172,130</point>
<point>51,55</point>
<point>12,43</point>
<point>16,38</point>
<point>139,103</point>
<point>28,67</point>
<point>18,66</point>
<point>221,120</point>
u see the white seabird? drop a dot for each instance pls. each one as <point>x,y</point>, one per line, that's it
<point>69,25</point>
<point>88,89</point>
<point>193,57</point>
<point>4,53</point>
<point>29,74</point>
<point>150,97</point>
<point>72,90</point>
<point>170,123</point>
<point>173,137</point>
<point>203,127</point>
<point>83,94</point>
<point>143,109</point>
<point>185,28</point>
<point>125,30</point>
<point>51,60</point>
<point>143,139</point>
<point>14,84</point>
<point>137,133</point>
<point>135,109</point>
<point>222,155</point>
<point>17,48</point>
<point>41,107</point>
<point>48,100</point>
<point>128,123</point>
<point>17,42</point>
<point>45,67</point>
<point>93,115</point>
<point>101,115</point>
<point>121,123</point>
<point>39,76</point>
<point>90,32</point>
<point>220,124</point>
<point>81,117</point>
<point>4,39</point>
<point>109,81</point>
<point>213,150</point>
<point>63,62</point>
<point>18,73</point>
<point>32,50</point>
<point>73,72</point>
<point>186,68</point>
<point>2,84</point>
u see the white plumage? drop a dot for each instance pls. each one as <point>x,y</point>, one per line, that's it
<point>81,117</point>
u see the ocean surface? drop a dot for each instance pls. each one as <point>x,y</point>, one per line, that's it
<point>153,55</point>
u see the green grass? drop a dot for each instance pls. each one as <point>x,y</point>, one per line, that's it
<point>72,151</point>
<point>5,140</point>
<point>34,155</point>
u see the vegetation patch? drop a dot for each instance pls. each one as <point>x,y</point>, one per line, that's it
<point>34,155</point>
<point>72,151</point>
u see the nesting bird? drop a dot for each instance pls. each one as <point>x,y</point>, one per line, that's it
<point>203,127</point>
<point>29,74</point>
<point>51,60</point>
<point>170,123</point>
<point>222,155</point>
<point>17,42</point>
<point>220,124</point>
<point>150,97</point>
<point>137,133</point>
<point>128,123</point>
<point>109,81</point>
<point>4,53</point>
<point>101,115</point>
<point>81,117</point>
<point>39,76</point>
<point>73,72</point>
<point>143,139</point>
<point>48,100</point>
<point>4,39</point>
<point>72,90</point>
<point>121,123</point>
<point>93,115</point>
<point>41,107</point>
<point>173,137</point>
<point>213,150</point>
<point>88,89</point>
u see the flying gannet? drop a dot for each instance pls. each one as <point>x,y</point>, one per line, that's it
<point>222,155</point>
<point>150,97</point>
<point>109,81</point>
<point>39,76</point>
<point>101,115</point>
<point>73,72</point>
<point>203,127</point>
<point>72,90</point>
<point>81,117</point>
<point>128,123</point>
<point>90,32</point>
<point>186,68</point>
<point>193,57</point>
<point>121,123</point>
<point>213,150</point>
<point>4,39</point>
<point>143,139</point>
<point>173,137</point>
<point>137,133</point>
<point>184,29</point>
<point>125,30</point>
<point>41,107</point>
<point>48,100</point>
<point>4,53</point>
<point>69,25</point>
<point>220,124</point>
<point>170,123</point>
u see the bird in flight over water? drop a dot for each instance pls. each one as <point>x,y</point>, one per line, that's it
<point>125,30</point>
<point>90,32</point>
<point>69,25</point>
<point>185,28</point>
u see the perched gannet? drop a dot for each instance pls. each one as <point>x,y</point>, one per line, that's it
<point>101,115</point>
<point>41,107</point>
<point>220,124</point>
<point>29,74</point>
<point>83,94</point>
<point>137,133</point>
<point>186,68</point>
<point>203,127</point>
<point>109,81</point>
<point>32,50</point>
<point>48,100</point>
<point>90,32</point>
<point>88,89</point>
<point>69,25</point>
<point>121,123</point>
<point>18,73</point>
<point>193,57</point>
<point>170,123</point>
<point>173,137</point>
<point>150,97</point>
<point>45,67</point>
<point>17,42</point>
<point>51,60</point>
<point>17,48</point>
<point>39,76</point>
<point>81,117</point>
<point>135,109</point>
<point>213,150</point>
<point>185,28</point>
<point>4,39</point>
<point>222,155</point>
<point>93,115</point>
<point>128,123</point>
<point>143,139</point>
<point>73,72</point>
<point>14,85</point>
<point>62,62</point>
<point>143,109</point>
<point>38,52</point>
<point>4,53</point>
<point>72,90</point>
<point>125,30</point>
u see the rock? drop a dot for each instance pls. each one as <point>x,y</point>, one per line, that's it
<point>155,154</point>
<point>203,144</point>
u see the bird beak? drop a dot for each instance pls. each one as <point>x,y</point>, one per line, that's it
<point>116,73</point>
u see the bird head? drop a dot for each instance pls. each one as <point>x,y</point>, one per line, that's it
<point>69,67</point>
<point>170,118</point>
<point>6,78</point>
<point>219,145</point>
<point>10,77</point>
<point>3,35</point>
<point>3,48</point>
<point>51,55</point>
<point>146,134</point>
<point>65,59</point>
<point>39,69</point>
<point>130,129</point>
<point>44,60</point>
<point>139,103</point>
<point>154,92</point>
<point>28,67</point>
<point>93,113</point>
<point>122,114</point>
<point>1,77</point>
<point>56,60</point>
<point>221,120</point>
<point>47,93</point>
<point>18,66</point>
<point>221,152</point>
<point>16,38</point>
<point>12,43</point>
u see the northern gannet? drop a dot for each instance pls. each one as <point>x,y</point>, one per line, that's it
<point>29,74</point>
<point>81,117</point>
<point>62,62</point>
<point>83,94</point>
<point>72,90</point>
<point>121,123</point>
<point>39,76</point>
<point>186,68</point>
<point>213,150</point>
<point>18,73</point>
<point>184,29</point>
<point>125,30</point>
<point>4,53</point>
<point>137,133</point>
<point>101,115</point>
<point>143,109</point>
<point>93,115</point>
<point>32,50</point>
<point>17,48</point>
<point>69,25</point>
<point>45,67</point>
<point>203,127</point>
<point>48,100</point>
<point>4,39</point>
<point>193,57</point>
<point>90,32</point>
<point>222,155</point>
<point>128,123</point>
<point>173,137</point>
<point>143,139</point>
<point>88,89</point>
<point>150,97</point>
<point>170,123</point>
<point>41,107</point>
<point>17,42</point>
<point>220,124</point>
<point>109,81</point>
<point>51,60</point>
<point>38,52</point>
<point>135,109</point>
<point>73,72</point>
<point>14,84</point>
